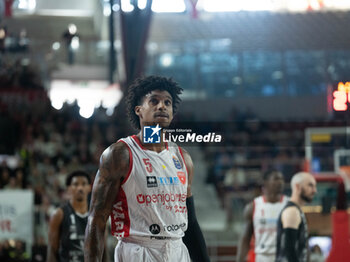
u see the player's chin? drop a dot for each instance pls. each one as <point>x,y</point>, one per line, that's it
<point>80,198</point>
<point>164,122</point>
<point>309,198</point>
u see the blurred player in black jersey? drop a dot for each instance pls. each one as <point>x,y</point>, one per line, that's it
<point>68,223</point>
<point>292,231</point>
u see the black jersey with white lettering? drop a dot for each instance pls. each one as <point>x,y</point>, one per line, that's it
<point>72,231</point>
<point>301,247</point>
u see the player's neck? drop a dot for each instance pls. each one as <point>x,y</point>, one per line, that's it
<point>79,206</point>
<point>272,197</point>
<point>296,200</point>
<point>159,147</point>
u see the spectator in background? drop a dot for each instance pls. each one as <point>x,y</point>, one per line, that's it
<point>39,250</point>
<point>316,254</point>
<point>12,184</point>
<point>3,34</point>
<point>4,251</point>
<point>18,253</point>
<point>5,177</point>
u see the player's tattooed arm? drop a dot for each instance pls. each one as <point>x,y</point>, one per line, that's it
<point>114,166</point>
<point>244,243</point>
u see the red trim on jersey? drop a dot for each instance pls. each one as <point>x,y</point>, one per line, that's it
<point>120,220</point>
<point>253,210</point>
<point>130,162</point>
<point>282,197</point>
<point>137,140</point>
<point>251,255</point>
<point>183,159</point>
<point>264,199</point>
<point>253,217</point>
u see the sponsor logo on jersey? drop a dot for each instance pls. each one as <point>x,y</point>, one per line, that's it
<point>171,228</point>
<point>154,229</point>
<point>182,177</point>
<point>177,163</point>
<point>160,198</point>
<point>151,181</point>
<point>263,221</point>
<point>119,217</point>
<point>151,134</point>
<point>169,181</point>
<point>268,221</point>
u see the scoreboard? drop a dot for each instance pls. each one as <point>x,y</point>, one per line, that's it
<point>341,97</point>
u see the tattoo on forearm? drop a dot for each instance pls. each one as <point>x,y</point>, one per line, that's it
<point>105,190</point>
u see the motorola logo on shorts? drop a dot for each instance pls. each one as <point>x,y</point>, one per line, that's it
<point>154,229</point>
<point>171,228</point>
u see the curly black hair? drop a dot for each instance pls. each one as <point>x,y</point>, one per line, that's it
<point>143,86</point>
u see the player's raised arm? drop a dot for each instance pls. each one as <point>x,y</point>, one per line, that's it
<point>193,238</point>
<point>244,243</point>
<point>114,165</point>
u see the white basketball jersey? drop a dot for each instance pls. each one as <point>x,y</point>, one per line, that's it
<point>265,217</point>
<point>152,198</point>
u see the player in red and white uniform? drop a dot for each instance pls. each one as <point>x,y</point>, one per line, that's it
<point>261,217</point>
<point>146,187</point>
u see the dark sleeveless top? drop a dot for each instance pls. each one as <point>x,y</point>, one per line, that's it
<point>72,232</point>
<point>301,247</point>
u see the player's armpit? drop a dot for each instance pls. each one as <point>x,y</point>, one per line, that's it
<point>244,244</point>
<point>114,166</point>
<point>291,217</point>
<point>54,235</point>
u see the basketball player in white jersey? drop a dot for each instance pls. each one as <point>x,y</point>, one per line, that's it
<point>146,187</point>
<point>261,217</point>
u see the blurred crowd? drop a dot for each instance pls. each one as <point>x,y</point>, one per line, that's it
<point>48,144</point>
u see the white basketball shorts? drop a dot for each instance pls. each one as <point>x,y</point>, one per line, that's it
<point>145,249</point>
<point>265,257</point>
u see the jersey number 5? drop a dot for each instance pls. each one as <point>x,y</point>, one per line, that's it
<point>148,165</point>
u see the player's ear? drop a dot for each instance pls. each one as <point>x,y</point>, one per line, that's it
<point>137,110</point>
